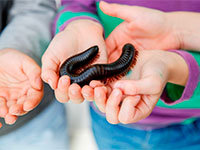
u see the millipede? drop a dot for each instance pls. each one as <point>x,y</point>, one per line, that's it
<point>80,71</point>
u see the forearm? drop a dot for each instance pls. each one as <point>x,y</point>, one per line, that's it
<point>186,25</point>
<point>178,68</point>
<point>82,26</point>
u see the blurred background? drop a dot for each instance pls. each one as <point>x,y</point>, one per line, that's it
<point>79,127</point>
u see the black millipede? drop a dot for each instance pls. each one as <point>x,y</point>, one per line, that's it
<point>103,72</point>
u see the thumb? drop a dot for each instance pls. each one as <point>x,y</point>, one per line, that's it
<point>32,71</point>
<point>117,10</point>
<point>146,85</point>
<point>103,58</point>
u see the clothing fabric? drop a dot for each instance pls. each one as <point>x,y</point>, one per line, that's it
<point>4,7</point>
<point>118,137</point>
<point>47,131</point>
<point>175,106</point>
<point>28,22</point>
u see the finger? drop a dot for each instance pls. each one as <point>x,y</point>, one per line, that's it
<point>2,101</point>
<point>11,102</point>
<point>3,107</point>
<point>114,55</point>
<point>33,72</point>
<point>113,106</point>
<point>143,109</point>
<point>50,66</point>
<point>127,110</point>
<point>75,93</point>
<point>3,111</point>
<point>10,119</point>
<point>100,98</point>
<point>61,92</point>
<point>117,10</point>
<point>17,109</point>
<point>95,83</point>
<point>32,100</point>
<point>148,85</point>
<point>111,43</point>
<point>88,93</point>
<point>22,99</point>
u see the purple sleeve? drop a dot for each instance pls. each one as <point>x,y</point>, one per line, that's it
<point>72,10</point>
<point>192,79</point>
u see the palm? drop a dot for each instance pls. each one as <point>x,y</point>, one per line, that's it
<point>142,37</point>
<point>147,79</point>
<point>73,40</point>
<point>18,91</point>
<point>145,28</point>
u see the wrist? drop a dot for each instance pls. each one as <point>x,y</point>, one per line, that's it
<point>84,27</point>
<point>174,30</point>
<point>178,68</point>
<point>185,27</point>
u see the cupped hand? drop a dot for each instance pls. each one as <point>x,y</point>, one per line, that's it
<point>146,28</point>
<point>78,36</point>
<point>133,97</point>
<point>21,87</point>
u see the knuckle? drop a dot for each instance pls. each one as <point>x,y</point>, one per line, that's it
<point>43,76</point>
<point>43,58</point>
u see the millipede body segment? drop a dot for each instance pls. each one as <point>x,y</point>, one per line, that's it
<point>103,72</point>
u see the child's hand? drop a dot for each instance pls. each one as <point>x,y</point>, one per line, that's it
<point>134,97</point>
<point>21,87</point>
<point>78,36</point>
<point>145,28</point>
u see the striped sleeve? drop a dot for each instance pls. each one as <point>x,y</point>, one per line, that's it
<point>72,10</point>
<point>174,94</point>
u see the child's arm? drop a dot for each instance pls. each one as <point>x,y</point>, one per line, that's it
<point>78,28</point>
<point>153,29</point>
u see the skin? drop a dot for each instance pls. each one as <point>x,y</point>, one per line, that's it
<point>21,87</point>
<point>69,42</point>
<point>133,97</point>
<point>153,29</point>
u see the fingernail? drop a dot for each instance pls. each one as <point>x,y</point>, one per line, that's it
<point>77,101</point>
<point>98,94</point>
<point>105,89</point>
<point>117,85</point>
<point>86,94</point>
<point>64,81</point>
<point>116,92</point>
